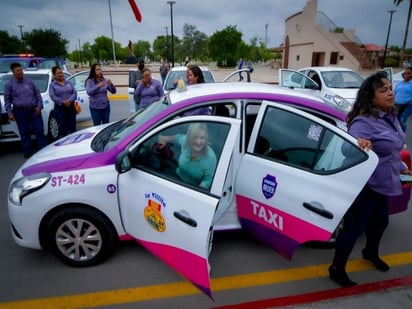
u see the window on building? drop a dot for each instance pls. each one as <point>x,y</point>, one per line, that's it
<point>334,58</point>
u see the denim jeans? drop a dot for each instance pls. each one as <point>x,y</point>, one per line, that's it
<point>100,116</point>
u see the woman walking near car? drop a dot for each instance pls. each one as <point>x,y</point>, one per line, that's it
<point>63,94</point>
<point>373,121</point>
<point>97,87</point>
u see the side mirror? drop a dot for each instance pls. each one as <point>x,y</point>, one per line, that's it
<point>123,162</point>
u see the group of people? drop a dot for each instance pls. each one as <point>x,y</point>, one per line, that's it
<point>149,90</point>
<point>240,65</point>
<point>24,103</point>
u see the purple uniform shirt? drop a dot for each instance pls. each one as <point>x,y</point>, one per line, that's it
<point>388,139</point>
<point>149,94</point>
<point>22,93</point>
<point>60,93</point>
<point>98,95</point>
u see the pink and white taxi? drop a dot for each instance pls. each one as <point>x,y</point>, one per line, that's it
<point>279,173</point>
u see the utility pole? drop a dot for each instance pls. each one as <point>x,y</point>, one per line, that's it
<point>22,38</point>
<point>387,37</point>
<point>171,30</point>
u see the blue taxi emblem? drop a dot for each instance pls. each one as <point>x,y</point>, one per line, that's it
<point>269,185</point>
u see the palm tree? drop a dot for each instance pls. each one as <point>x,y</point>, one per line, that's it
<point>405,37</point>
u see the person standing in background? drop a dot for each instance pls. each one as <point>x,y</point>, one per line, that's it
<point>23,104</point>
<point>97,87</point>
<point>149,90</point>
<point>194,75</point>
<point>164,69</point>
<point>239,67</point>
<point>136,79</point>
<point>403,97</point>
<point>63,94</point>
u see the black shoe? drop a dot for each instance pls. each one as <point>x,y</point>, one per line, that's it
<point>340,277</point>
<point>376,261</point>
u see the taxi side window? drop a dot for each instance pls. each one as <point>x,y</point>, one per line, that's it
<point>303,143</point>
<point>185,153</point>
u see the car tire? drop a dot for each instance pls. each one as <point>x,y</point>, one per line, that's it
<point>81,237</point>
<point>53,129</point>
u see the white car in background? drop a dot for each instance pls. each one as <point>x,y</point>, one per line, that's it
<point>42,78</point>
<point>337,86</point>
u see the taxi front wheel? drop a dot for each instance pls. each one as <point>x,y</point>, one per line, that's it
<point>53,129</point>
<point>81,237</point>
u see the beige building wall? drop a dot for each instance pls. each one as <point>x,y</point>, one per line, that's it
<point>311,44</point>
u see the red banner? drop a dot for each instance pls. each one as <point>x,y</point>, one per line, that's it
<point>136,10</point>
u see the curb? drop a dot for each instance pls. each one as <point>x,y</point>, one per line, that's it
<point>311,299</point>
<point>118,97</point>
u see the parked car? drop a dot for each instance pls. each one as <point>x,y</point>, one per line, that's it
<point>280,174</point>
<point>42,78</point>
<point>335,85</point>
<point>29,61</point>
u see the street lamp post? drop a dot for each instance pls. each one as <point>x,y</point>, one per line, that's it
<point>167,45</point>
<point>171,30</point>
<point>111,28</point>
<point>387,37</point>
<point>22,38</point>
<point>80,55</point>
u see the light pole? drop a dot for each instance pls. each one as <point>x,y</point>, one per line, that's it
<point>167,45</point>
<point>111,28</point>
<point>22,38</point>
<point>171,30</point>
<point>387,37</point>
<point>80,55</point>
<point>266,35</point>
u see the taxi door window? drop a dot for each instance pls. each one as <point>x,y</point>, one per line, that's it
<point>303,143</point>
<point>186,153</point>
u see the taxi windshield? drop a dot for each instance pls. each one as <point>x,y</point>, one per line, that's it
<point>115,133</point>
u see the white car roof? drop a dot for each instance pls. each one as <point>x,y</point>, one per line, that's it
<point>199,90</point>
<point>184,68</point>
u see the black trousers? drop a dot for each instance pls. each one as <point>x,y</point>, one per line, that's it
<point>368,213</point>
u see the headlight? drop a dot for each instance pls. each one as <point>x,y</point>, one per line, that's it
<point>342,103</point>
<point>26,185</point>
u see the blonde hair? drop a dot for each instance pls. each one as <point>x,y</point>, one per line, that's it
<point>193,131</point>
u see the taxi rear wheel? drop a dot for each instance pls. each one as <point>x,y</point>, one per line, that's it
<point>53,129</point>
<point>81,237</point>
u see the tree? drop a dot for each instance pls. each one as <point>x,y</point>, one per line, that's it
<point>194,42</point>
<point>161,48</point>
<point>9,44</point>
<point>224,45</point>
<point>142,49</point>
<point>405,37</point>
<point>46,43</point>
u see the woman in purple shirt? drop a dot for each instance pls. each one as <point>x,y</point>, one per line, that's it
<point>63,94</point>
<point>150,90</point>
<point>97,87</point>
<point>373,121</point>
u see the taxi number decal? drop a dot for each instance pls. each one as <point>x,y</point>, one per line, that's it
<point>72,180</point>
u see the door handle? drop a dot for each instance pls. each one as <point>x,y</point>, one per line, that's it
<point>185,219</point>
<point>320,211</point>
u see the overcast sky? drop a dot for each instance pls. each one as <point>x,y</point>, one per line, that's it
<point>85,20</point>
